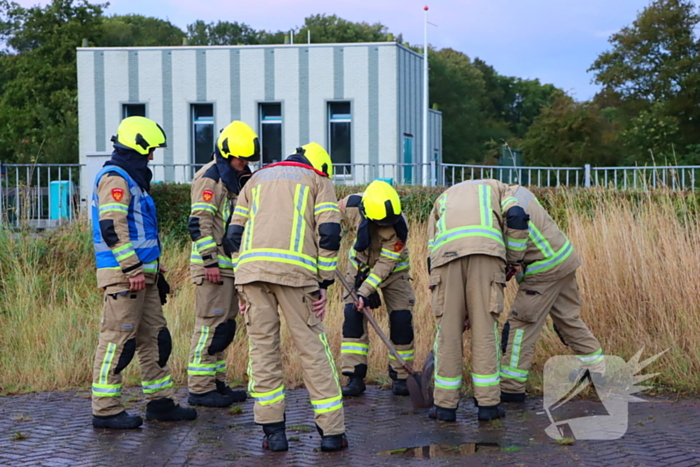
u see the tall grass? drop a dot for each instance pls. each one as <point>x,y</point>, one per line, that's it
<point>638,285</point>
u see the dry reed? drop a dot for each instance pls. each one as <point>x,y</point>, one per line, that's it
<point>638,285</point>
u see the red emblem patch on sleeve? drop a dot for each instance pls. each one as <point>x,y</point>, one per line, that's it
<point>207,195</point>
<point>398,246</point>
<point>117,194</point>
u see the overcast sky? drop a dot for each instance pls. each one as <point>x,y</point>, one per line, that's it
<point>553,40</point>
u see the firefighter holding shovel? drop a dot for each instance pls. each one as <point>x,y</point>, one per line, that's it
<point>378,261</point>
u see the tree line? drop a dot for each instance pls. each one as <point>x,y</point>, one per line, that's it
<point>646,112</point>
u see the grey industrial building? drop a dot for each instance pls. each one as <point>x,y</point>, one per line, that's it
<point>363,102</point>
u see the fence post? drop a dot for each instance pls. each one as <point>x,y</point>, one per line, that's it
<point>587,175</point>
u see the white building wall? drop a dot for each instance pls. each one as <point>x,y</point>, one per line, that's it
<point>150,84</point>
<point>355,85</point>
<point>218,85</point>
<point>86,116</point>
<point>286,70</point>
<point>320,92</point>
<point>382,82</point>
<point>116,92</point>
<point>388,108</point>
<point>252,85</point>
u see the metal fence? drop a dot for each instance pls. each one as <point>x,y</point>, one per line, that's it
<point>39,195</point>
<point>46,195</point>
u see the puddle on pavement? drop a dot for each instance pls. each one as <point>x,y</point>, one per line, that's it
<point>448,450</point>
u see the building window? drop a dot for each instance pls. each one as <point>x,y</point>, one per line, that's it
<point>340,136</point>
<point>271,132</point>
<point>133,110</point>
<point>202,133</point>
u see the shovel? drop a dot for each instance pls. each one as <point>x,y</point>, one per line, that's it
<point>418,382</point>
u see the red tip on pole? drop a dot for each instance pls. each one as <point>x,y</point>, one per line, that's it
<point>425,7</point>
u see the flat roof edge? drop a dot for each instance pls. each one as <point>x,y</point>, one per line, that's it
<point>260,46</point>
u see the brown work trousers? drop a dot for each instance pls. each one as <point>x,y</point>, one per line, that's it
<point>131,323</point>
<point>215,305</point>
<point>533,303</point>
<point>265,378</point>
<point>469,287</point>
<point>397,294</point>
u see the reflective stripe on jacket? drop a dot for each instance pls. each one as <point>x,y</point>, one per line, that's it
<point>549,255</point>
<point>286,227</point>
<point>212,207</point>
<point>467,219</point>
<point>126,214</point>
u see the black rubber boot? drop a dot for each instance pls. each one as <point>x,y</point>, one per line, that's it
<point>275,437</point>
<point>491,412</point>
<point>209,399</point>
<point>399,387</point>
<point>120,421</point>
<point>165,410</point>
<point>515,397</point>
<point>332,443</point>
<point>237,395</point>
<point>442,414</point>
<point>355,387</point>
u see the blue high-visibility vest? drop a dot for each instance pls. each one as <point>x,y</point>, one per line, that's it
<point>143,223</point>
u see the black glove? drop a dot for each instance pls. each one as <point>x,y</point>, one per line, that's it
<point>163,289</point>
<point>373,301</point>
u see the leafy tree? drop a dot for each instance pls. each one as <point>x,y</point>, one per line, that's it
<point>332,29</point>
<point>571,134</point>
<point>221,33</point>
<point>457,86</point>
<point>38,105</point>
<point>139,31</point>
<point>653,71</point>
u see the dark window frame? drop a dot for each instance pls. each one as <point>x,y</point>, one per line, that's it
<point>341,118</point>
<point>126,105</point>
<point>262,123</point>
<point>214,134</point>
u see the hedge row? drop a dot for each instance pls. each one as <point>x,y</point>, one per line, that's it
<point>173,202</point>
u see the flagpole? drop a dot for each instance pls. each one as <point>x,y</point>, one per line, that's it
<point>426,162</point>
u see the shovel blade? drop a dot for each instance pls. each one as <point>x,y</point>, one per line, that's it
<point>416,392</point>
<point>427,379</point>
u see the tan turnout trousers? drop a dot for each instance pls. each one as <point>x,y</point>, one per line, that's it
<point>467,287</point>
<point>266,381</point>
<point>130,315</point>
<point>397,295</point>
<point>533,303</point>
<point>215,306</point>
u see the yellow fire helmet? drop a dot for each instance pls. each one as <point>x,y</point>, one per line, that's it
<point>381,203</point>
<point>318,158</point>
<point>140,134</point>
<point>239,140</point>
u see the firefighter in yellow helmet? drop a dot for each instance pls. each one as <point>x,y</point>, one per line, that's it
<point>378,260</point>
<point>214,193</point>
<point>286,232</point>
<point>127,253</point>
<point>473,236</point>
<point>547,286</point>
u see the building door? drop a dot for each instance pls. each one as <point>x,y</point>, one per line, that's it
<point>408,159</point>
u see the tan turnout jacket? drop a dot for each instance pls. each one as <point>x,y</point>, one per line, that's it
<point>212,207</point>
<point>469,219</point>
<point>106,277</point>
<point>288,227</point>
<point>386,254</point>
<point>549,255</point>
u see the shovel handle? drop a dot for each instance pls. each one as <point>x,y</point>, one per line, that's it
<point>374,324</point>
